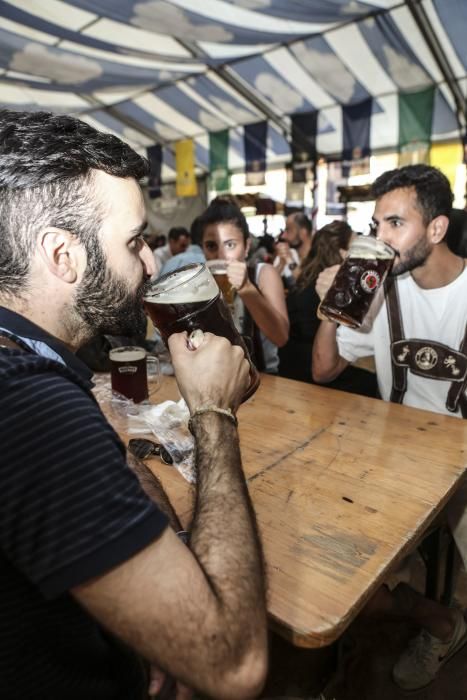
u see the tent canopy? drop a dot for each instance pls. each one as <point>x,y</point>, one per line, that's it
<point>157,71</point>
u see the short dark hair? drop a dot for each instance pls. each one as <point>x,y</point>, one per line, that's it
<point>223,210</point>
<point>302,221</point>
<point>176,232</point>
<point>434,195</point>
<point>47,163</point>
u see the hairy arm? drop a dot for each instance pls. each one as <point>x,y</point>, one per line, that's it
<point>199,613</point>
<point>267,304</point>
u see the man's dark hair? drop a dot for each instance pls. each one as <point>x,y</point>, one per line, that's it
<point>434,196</point>
<point>47,164</point>
<point>223,210</point>
<point>176,232</point>
<point>303,221</point>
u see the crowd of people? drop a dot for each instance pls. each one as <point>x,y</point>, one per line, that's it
<point>94,562</point>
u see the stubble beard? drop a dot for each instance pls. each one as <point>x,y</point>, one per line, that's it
<point>413,258</point>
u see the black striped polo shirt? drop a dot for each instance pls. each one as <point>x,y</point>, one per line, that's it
<point>70,510</point>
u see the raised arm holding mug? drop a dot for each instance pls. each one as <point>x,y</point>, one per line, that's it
<point>417,332</point>
<point>95,583</point>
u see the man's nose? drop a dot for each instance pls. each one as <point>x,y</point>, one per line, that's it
<point>384,233</point>
<point>147,258</point>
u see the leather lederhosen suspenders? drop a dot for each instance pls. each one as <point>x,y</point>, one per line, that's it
<point>424,358</point>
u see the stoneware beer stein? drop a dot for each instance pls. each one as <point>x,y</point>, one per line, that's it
<point>361,274</point>
<point>189,299</point>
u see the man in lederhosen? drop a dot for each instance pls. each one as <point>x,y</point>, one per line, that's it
<point>417,333</point>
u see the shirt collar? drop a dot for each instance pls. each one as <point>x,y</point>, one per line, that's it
<point>41,342</point>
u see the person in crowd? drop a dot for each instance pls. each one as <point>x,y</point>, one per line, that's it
<point>193,254</point>
<point>154,240</point>
<point>259,310</point>
<point>95,584</point>
<point>417,332</point>
<point>293,247</point>
<point>328,248</point>
<point>264,251</point>
<point>178,241</point>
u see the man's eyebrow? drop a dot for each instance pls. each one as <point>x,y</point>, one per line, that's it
<point>393,217</point>
<point>389,217</point>
<point>139,229</point>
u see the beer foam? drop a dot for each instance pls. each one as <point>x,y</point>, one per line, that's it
<point>127,355</point>
<point>362,249</point>
<point>184,287</point>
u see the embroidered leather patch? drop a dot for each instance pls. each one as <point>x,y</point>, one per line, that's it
<point>429,359</point>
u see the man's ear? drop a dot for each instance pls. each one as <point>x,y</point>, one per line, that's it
<point>247,245</point>
<point>437,229</point>
<point>62,253</point>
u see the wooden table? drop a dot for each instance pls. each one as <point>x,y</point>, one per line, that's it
<point>343,486</point>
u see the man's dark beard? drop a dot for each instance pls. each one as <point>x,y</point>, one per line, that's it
<point>296,244</point>
<point>105,303</point>
<point>415,257</point>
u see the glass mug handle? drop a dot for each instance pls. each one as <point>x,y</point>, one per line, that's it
<point>153,369</point>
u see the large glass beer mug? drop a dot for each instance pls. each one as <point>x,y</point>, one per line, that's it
<point>361,274</point>
<point>189,299</point>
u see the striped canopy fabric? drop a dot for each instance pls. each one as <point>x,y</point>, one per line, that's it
<point>158,71</point>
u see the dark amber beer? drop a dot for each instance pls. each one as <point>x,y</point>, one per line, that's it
<point>189,299</point>
<point>128,375</point>
<point>359,277</point>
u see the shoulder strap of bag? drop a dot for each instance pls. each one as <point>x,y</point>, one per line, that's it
<point>258,355</point>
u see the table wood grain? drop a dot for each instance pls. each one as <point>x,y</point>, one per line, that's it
<point>342,485</point>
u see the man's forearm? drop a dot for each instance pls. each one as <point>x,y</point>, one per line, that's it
<point>327,364</point>
<point>224,536</point>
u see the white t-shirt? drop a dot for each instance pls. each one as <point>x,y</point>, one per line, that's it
<point>438,315</point>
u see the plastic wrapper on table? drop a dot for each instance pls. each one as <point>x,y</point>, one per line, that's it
<point>167,422</point>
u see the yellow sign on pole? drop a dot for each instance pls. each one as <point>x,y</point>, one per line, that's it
<point>447,157</point>
<point>186,185</point>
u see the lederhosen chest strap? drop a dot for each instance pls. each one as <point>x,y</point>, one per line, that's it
<point>424,358</point>
<point>456,393</point>
<point>396,333</point>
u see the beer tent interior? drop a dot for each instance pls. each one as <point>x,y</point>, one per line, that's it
<point>158,71</point>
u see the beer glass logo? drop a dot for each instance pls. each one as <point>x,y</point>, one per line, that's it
<point>127,369</point>
<point>369,281</point>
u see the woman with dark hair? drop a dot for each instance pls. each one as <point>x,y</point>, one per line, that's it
<point>259,307</point>
<point>329,247</point>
